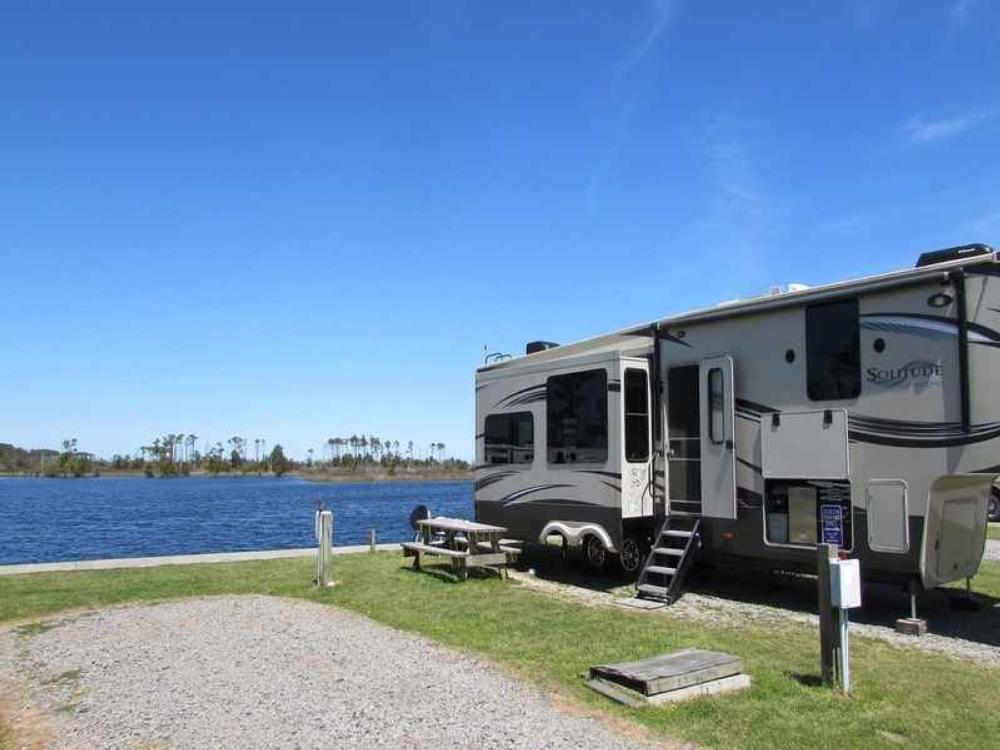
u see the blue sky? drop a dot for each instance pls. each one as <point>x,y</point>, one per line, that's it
<point>305,219</point>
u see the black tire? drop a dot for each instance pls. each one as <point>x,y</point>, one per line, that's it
<point>631,557</point>
<point>594,553</point>
<point>993,505</point>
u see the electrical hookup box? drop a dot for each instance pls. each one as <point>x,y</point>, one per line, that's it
<point>845,582</point>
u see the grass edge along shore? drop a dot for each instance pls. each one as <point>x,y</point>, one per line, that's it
<point>903,697</point>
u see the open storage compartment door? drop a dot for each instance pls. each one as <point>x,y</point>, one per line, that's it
<point>718,454</point>
<point>805,444</point>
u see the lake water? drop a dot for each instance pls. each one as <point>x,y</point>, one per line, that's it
<point>47,520</point>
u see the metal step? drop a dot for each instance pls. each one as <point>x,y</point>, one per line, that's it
<point>675,571</point>
<point>660,570</point>
<point>659,592</point>
<point>674,551</point>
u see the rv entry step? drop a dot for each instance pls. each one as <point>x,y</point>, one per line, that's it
<point>662,576</point>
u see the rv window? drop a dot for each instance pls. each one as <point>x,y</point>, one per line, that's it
<point>636,416</point>
<point>716,400</point>
<point>833,356</point>
<point>577,412</point>
<point>509,438</point>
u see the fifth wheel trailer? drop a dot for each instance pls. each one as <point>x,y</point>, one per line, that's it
<point>862,413</point>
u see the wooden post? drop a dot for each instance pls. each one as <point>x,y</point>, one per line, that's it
<point>371,541</point>
<point>324,555</point>
<point>828,626</point>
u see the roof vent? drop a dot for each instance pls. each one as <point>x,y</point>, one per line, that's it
<point>539,346</point>
<point>953,253</point>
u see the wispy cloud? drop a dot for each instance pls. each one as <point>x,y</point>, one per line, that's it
<point>627,92</point>
<point>921,130</point>
<point>742,215</point>
<point>661,13</point>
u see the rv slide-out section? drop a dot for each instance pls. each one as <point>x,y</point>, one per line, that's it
<point>566,448</point>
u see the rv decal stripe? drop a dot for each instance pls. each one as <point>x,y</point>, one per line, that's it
<point>560,502</point>
<point>753,467</point>
<point>615,487</point>
<point>528,399</point>
<point>902,428</point>
<point>916,442</point>
<point>927,326</point>
<point>613,474</point>
<point>508,499</point>
<point>493,479</point>
<point>510,396</point>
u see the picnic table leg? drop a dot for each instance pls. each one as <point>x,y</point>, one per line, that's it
<point>416,559</point>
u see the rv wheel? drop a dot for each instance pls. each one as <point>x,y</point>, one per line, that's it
<point>594,552</point>
<point>631,557</point>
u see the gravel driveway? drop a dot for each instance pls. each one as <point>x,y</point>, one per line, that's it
<point>263,672</point>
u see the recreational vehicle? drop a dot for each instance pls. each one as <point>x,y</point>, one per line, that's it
<point>862,414</point>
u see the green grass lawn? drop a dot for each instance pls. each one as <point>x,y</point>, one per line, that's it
<point>903,697</point>
<point>993,531</point>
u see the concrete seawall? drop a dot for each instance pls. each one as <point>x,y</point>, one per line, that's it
<point>152,562</point>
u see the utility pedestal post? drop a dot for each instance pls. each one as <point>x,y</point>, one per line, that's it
<point>324,555</point>
<point>829,632</point>
<point>912,625</point>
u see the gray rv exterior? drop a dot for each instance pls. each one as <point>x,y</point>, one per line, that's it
<point>909,450</point>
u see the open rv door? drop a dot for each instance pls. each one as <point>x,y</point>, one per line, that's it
<point>718,452</point>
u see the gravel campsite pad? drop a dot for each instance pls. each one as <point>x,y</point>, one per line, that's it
<point>264,672</point>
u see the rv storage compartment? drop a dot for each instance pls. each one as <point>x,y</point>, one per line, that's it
<point>805,512</point>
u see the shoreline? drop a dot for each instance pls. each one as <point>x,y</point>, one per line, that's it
<point>358,478</point>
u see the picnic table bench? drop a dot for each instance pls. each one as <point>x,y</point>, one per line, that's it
<point>466,543</point>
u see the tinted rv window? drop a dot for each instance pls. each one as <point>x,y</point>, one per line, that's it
<point>509,438</point>
<point>577,411</point>
<point>636,416</point>
<point>716,401</point>
<point>833,356</point>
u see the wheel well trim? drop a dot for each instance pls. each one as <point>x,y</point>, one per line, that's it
<point>575,533</point>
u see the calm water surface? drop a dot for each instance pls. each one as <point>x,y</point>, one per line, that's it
<point>45,520</point>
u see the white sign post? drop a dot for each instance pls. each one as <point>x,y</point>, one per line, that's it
<point>324,555</point>
<point>845,594</point>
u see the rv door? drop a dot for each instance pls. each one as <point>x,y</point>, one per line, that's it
<point>718,452</point>
<point>637,490</point>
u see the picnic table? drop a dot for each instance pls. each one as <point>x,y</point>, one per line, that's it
<point>466,543</point>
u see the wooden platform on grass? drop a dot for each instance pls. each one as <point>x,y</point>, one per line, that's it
<point>679,675</point>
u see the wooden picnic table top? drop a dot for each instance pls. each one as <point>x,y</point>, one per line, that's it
<point>460,524</point>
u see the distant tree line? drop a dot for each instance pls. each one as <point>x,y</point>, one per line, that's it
<point>373,449</point>
<point>178,454</point>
